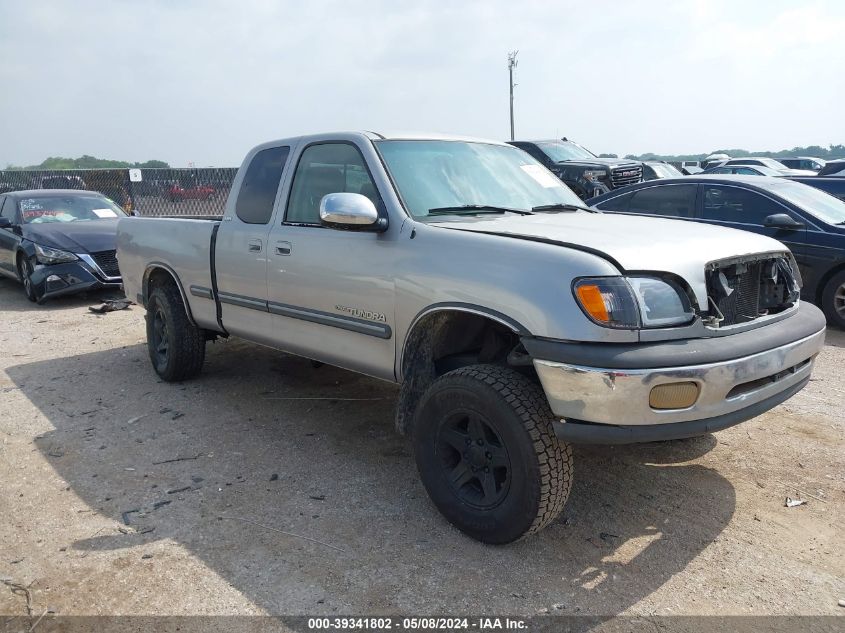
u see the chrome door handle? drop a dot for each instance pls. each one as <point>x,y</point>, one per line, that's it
<point>255,246</point>
<point>283,248</point>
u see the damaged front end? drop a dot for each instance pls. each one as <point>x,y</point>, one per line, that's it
<point>55,280</point>
<point>742,289</point>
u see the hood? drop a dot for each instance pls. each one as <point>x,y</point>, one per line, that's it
<point>88,236</point>
<point>607,162</point>
<point>633,243</point>
<point>798,172</point>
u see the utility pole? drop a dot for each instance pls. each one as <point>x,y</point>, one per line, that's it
<point>511,65</point>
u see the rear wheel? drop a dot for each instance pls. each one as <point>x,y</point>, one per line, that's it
<point>833,300</point>
<point>25,270</point>
<point>176,346</point>
<point>487,453</point>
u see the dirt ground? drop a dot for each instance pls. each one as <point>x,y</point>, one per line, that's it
<point>271,486</point>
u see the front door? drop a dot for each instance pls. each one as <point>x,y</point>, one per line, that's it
<point>747,210</point>
<point>8,238</point>
<point>331,291</point>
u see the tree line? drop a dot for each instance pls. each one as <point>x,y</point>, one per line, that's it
<point>89,162</point>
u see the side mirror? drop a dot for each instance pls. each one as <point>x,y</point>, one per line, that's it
<point>350,211</point>
<point>782,221</point>
<point>5,223</point>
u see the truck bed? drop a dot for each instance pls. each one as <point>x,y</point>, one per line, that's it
<point>180,244</point>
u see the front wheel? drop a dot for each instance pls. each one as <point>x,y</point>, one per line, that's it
<point>833,300</point>
<point>487,453</point>
<point>25,270</point>
<point>176,346</point>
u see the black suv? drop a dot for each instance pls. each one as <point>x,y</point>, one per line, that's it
<point>581,170</point>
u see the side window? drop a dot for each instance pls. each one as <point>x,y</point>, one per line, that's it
<point>675,201</point>
<point>619,203</point>
<point>260,184</point>
<point>731,204</point>
<point>745,171</point>
<point>7,208</point>
<point>323,169</point>
<point>536,153</point>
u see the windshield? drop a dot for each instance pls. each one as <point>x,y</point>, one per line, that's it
<point>444,174</point>
<point>45,209</point>
<point>666,171</point>
<point>559,151</point>
<point>824,206</point>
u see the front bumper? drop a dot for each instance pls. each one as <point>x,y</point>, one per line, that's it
<point>55,280</point>
<point>611,404</point>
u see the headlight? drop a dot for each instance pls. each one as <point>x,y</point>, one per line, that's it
<point>661,303</point>
<point>632,302</point>
<point>609,301</point>
<point>47,255</point>
<point>594,174</point>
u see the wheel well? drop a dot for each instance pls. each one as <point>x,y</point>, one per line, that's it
<point>157,276</point>
<point>826,278</point>
<point>449,339</point>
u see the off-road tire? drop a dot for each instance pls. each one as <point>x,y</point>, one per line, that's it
<point>833,300</point>
<point>25,271</point>
<point>517,414</point>
<point>185,342</point>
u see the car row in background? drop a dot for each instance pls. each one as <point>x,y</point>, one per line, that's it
<point>833,186</point>
<point>59,241</point>
<point>771,163</point>
<point>809,221</point>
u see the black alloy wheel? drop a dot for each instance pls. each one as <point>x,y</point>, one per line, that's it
<point>474,459</point>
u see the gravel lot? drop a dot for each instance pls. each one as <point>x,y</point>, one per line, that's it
<point>90,438</point>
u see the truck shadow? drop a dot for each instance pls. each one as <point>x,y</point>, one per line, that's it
<point>265,440</point>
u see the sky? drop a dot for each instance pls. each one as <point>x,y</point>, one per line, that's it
<point>202,81</point>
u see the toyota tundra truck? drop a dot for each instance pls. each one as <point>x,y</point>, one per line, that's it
<point>515,320</point>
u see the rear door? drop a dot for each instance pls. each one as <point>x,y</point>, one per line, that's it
<point>242,247</point>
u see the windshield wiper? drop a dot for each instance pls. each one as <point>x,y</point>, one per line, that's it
<point>562,206</point>
<point>476,209</point>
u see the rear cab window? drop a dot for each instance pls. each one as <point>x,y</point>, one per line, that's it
<point>257,194</point>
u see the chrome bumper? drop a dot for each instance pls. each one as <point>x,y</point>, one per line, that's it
<point>621,396</point>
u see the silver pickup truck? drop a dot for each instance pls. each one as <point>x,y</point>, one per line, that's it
<point>516,320</point>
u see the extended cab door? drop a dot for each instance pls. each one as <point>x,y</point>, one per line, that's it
<point>331,291</point>
<point>242,247</point>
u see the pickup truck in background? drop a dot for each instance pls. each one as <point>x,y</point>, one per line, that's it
<point>582,171</point>
<point>515,320</point>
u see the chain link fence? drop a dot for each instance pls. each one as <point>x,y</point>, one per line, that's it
<point>153,192</point>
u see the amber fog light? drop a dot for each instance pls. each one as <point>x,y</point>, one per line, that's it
<point>675,395</point>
